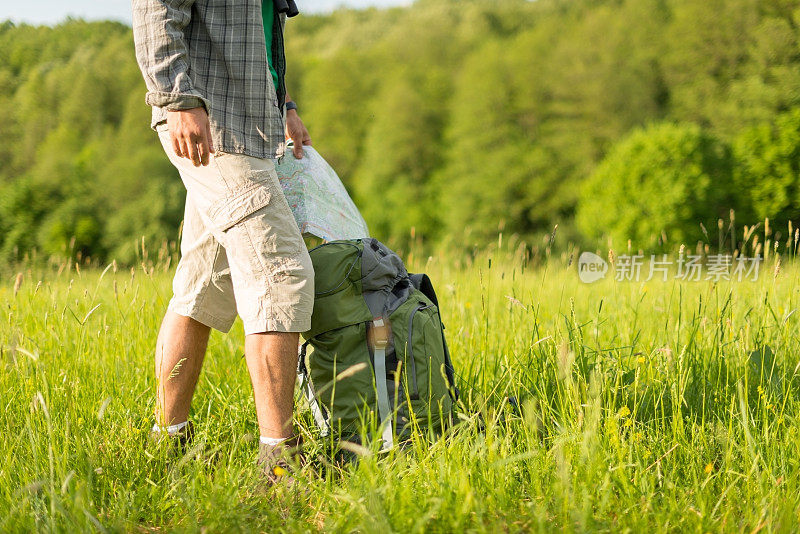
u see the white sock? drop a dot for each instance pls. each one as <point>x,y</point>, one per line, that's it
<point>172,429</point>
<point>272,441</point>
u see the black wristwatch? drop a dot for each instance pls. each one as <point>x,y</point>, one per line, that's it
<point>291,105</point>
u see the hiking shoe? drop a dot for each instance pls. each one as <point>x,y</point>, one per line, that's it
<point>279,461</point>
<point>178,441</point>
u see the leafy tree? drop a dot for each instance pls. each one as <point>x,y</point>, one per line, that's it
<point>481,188</point>
<point>666,179</point>
<point>23,206</point>
<point>399,150</point>
<point>71,228</point>
<point>768,169</point>
<point>460,117</point>
<point>708,49</point>
<point>335,107</point>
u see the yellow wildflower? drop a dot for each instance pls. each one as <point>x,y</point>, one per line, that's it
<point>279,471</point>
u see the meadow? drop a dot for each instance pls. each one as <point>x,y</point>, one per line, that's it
<point>640,406</point>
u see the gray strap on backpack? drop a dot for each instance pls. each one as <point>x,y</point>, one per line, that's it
<point>380,341</point>
<point>311,395</point>
<point>319,418</point>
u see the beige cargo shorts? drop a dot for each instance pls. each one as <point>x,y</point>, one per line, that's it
<point>241,249</point>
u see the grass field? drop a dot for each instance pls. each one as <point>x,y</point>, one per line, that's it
<point>644,406</point>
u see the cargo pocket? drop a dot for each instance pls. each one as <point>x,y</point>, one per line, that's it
<point>231,210</point>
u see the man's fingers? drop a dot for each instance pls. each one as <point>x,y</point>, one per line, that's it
<point>306,138</point>
<point>189,143</point>
<point>194,154</point>
<point>297,149</point>
<point>204,151</point>
<point>209,138</point>
<point>203,143</point>
<point>297,146</point>
<point>183,148</point>
<point>190,132</point>
<point>176,146</point>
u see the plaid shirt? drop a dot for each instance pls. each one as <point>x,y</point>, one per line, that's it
<point>208,53</point>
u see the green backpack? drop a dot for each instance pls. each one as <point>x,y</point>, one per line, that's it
<point>378,347</point>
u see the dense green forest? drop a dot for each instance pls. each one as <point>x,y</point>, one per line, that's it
<point>449,120</point>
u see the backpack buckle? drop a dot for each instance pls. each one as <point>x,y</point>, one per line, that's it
<point>378,335</point>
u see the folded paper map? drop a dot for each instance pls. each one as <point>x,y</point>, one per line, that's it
<point>319,200</point>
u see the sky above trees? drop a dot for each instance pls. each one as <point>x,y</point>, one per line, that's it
<point>53,11</point>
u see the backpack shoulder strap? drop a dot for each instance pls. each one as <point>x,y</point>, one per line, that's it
<point>424,284</point>
<point>378,339</point>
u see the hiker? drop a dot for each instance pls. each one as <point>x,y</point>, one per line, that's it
<point>215,78</point>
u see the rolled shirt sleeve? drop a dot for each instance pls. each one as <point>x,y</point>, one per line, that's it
<point>161,51</point>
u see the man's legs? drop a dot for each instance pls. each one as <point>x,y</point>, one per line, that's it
<point>180,350</point>
<point>242,240</point>
<point>200,278</point>
<point>272,362</point>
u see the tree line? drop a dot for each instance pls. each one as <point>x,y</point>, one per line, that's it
<point>448,120</point>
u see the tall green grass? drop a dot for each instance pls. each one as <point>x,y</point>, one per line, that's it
<point>639,406</point>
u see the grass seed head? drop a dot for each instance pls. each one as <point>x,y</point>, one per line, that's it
<point>18,283</point>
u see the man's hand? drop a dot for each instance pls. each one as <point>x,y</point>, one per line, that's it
<point>296,130</point>
<point>191,135</point>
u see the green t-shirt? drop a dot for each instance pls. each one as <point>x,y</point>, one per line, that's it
<point>268,14</point>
